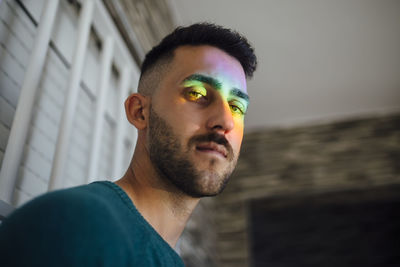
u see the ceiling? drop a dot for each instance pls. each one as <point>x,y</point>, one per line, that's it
<point>319,60</point>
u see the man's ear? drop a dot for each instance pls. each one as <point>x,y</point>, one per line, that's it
<point>136,109</point>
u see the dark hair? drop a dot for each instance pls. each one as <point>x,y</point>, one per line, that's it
<point>227,40</point>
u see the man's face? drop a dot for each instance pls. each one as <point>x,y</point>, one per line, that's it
<point>196,120</point>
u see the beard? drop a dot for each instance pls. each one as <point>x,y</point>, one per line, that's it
<point>172,160</point>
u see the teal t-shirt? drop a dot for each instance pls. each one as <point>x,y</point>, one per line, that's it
<point>90,225</point>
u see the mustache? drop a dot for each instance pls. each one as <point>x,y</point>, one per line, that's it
<point>213,137</point>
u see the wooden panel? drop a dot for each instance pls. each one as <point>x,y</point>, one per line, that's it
<point>20,197</point>
<point>6,113</point>
<point>9,89</point>
<point>107,145</point>
<point>36,163</point>
<point>91,66</point>
<point>78,155</point>
<point>112,96</point>
<point>31,184</point>
<point>4,132</point>
<point>65,30</point>
<point>16,41</point>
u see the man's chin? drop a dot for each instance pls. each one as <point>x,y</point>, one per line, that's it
<point>200,193</point>
<point>211,183</point>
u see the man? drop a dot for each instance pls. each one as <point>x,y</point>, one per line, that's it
<point>189,113</point>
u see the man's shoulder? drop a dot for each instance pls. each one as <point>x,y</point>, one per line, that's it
<point>69,226</point>
<point>67,200</point>
<point>81,208</point>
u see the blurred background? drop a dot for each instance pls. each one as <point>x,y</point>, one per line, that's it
<point>318,181</point>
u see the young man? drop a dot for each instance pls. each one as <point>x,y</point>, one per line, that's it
<point>189,112</point>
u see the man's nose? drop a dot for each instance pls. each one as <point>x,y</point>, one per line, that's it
<point>221,118</point>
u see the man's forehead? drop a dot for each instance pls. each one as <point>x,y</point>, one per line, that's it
<point>210,62</point>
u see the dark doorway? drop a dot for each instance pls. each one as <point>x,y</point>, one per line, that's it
<point>359,228</point>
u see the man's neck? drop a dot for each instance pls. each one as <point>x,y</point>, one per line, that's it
<point>164,207</point>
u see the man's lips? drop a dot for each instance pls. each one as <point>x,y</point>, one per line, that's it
<point>213,147</point>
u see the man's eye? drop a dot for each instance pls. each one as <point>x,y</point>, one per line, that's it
<point>196,93</point>
<point>237,108</point>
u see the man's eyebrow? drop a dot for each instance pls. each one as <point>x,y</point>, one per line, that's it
<point>205,79</point>
<point>240,94</point>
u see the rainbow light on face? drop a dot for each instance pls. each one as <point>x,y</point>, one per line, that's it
<point>197,89</point>
<point>237,99</point>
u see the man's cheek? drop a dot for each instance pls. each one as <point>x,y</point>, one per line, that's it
<point>237,136</point>
<point>239,127</point>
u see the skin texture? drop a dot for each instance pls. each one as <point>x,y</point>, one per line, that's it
<point>194,122</point>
